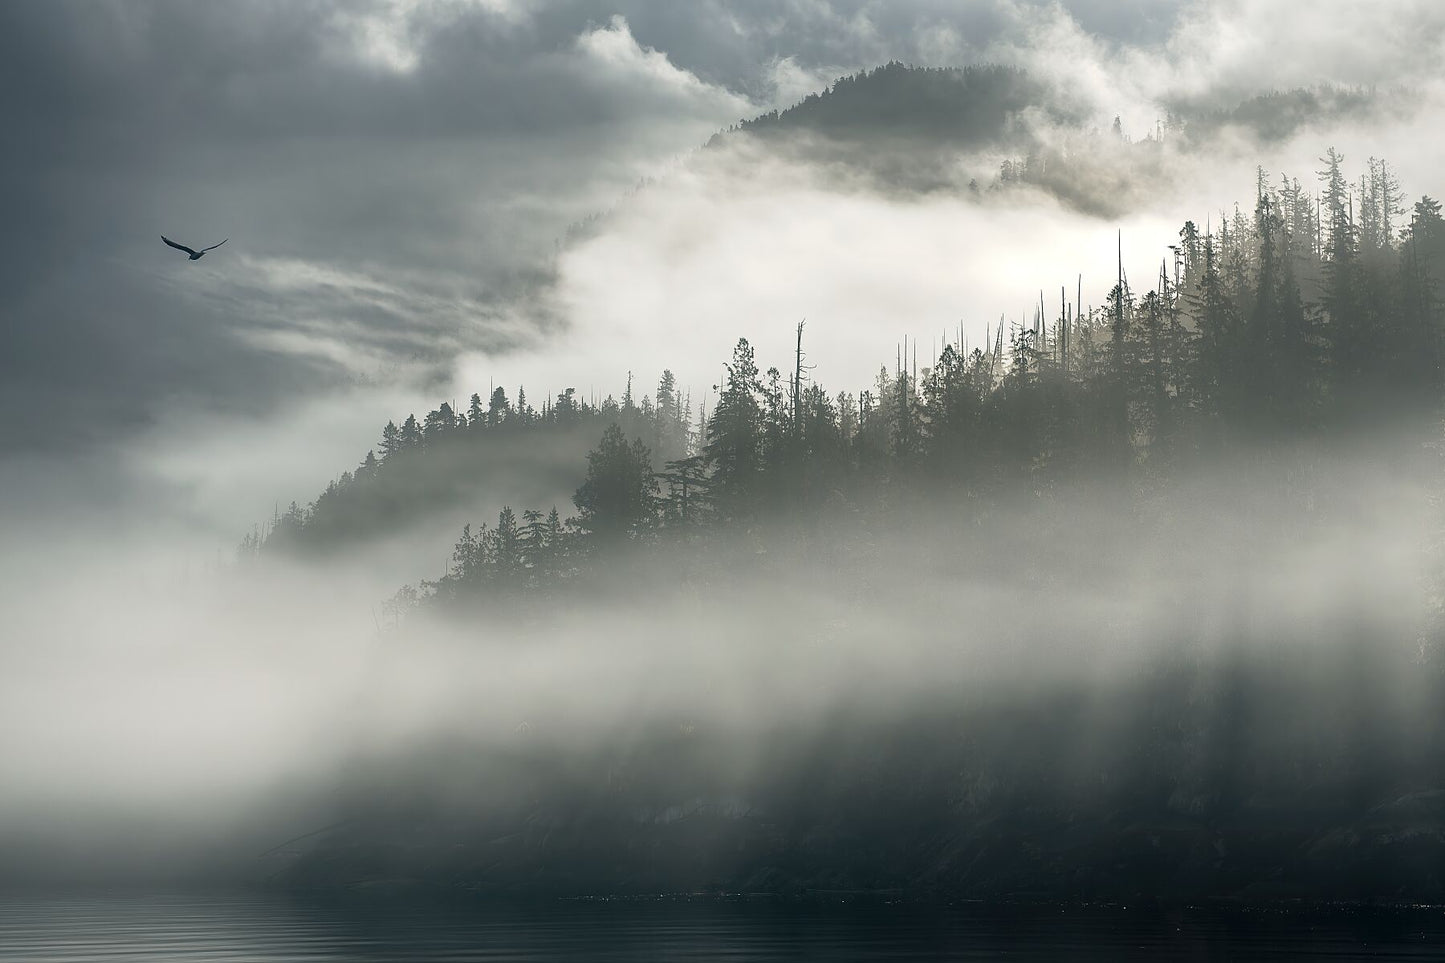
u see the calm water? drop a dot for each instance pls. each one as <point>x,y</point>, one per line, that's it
<point>267,930</point>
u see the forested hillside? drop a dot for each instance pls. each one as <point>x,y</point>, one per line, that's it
<point>1111,534</point>
<point>446,458</point>
<point>1005,108</point>
<point>989,129</point>
<point>1280,328</point>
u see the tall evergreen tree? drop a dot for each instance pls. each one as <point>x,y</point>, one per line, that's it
<point>618,498</point>
<point>499,411</point>
<point>391,440</point>
<point>411,436</point>
<point>734,435</point>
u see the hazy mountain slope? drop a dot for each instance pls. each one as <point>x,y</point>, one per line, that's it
<point>895,129</point>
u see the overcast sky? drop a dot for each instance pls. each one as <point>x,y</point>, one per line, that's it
<point>393,175</point>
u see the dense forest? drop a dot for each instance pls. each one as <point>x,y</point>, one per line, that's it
<point>1175,441</point>
<point>1311,315</point>
<point>443,458</point>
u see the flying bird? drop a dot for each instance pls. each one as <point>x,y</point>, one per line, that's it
<point>195,255</point>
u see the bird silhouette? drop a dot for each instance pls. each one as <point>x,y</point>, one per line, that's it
<point>195,255</point>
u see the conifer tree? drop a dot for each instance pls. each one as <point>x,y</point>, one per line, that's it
<point>498,409</point>
<point>617,499</point>
<point>391,440</point>
<point>506,552</point>
<point>411,436</point>
<point>734,436</point>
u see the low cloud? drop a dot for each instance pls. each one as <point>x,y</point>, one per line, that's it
<point>226,711</point>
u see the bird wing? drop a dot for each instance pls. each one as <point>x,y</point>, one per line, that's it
<point>213,246</point>
<point>179,247</point>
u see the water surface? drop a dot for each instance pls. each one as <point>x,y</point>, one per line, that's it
<point>268,929</point>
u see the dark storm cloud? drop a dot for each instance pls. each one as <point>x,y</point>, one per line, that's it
<point>439,183</point>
